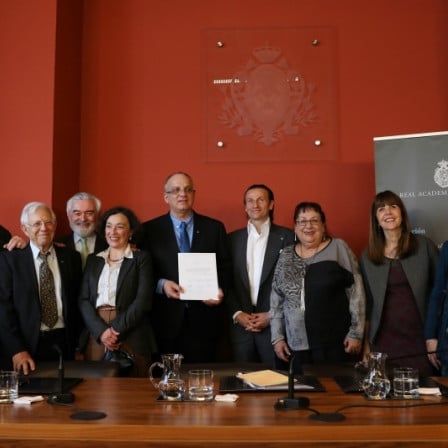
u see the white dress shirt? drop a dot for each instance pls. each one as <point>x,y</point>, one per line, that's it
<point>256,249</point>
<point>107,283</point>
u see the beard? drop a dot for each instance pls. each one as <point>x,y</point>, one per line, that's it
<point>83,230</point>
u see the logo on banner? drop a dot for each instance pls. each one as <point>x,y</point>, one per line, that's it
<point>441,174</point>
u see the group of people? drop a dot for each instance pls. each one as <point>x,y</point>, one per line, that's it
<point>112,285</point>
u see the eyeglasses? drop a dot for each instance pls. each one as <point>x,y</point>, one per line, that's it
<point>177,190</point>
<point>313,222</point>
<point>38,224</point>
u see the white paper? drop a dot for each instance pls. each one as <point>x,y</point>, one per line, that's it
<point>227,397</point>
<point>198,276</point>
<point>429,391</point>
<point>28,400</point>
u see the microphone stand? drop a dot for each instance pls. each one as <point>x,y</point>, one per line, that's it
<point>290,402</point>
<point>67,398</point>
<point>61,397</point>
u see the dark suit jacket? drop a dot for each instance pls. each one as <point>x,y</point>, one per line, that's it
<point>209,235</point>
<point>248,346</point>
<point>100,242</point>
<point>5,236</point>
<point>135,290</point>
<point>20,303</point>
<point>239,299</point>
<point>419,267</point>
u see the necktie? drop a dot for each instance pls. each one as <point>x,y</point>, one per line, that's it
<point>84,251</point>
<point>49,310</point>
<point>184,240</point>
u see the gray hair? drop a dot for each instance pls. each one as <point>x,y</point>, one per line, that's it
<point>81,196</point>
<point>31,207</point>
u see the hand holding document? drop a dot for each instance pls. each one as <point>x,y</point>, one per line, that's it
<point>198,276</point>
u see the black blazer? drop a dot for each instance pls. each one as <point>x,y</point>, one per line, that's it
<point>239,298</point>
<point>68,240</point>
<point>20,304</point>
<point>209,235</point>
<point>135,290</point>
<point>5,236</point>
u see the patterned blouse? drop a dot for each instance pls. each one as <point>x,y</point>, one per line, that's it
<point>318,300</point>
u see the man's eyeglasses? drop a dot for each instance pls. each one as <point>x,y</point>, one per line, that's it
<point>177,190</point>
<point>38,224</point>
<point>313,222</point>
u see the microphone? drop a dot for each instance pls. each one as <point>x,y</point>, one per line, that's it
<point>60,397</point>
<point>290,402</point>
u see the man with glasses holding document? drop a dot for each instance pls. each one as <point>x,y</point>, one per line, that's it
<point>189,327</point>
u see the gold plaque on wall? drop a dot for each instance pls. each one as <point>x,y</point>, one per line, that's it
<point>270,94</point>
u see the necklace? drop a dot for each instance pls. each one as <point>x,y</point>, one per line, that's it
<point>117,260</point>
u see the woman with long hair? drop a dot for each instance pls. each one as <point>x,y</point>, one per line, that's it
<point>398,270</point>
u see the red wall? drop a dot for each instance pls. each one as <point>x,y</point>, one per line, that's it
<point>67,105</point>
<point>27,44</point>
<point>141,102</point>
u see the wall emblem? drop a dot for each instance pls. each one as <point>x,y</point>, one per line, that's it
<point>441,174</point>
<point>267,99</point>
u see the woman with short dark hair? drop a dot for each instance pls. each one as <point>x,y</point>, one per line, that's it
<point>317,299</point>
<point>117,293</point>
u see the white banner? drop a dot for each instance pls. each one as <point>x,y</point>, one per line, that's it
<point>416,168</point>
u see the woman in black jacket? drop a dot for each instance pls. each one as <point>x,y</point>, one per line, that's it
<point>117,293</point>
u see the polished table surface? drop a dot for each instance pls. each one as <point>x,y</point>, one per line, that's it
<point>136,418</point>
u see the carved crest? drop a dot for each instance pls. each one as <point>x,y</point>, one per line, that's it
<point>441,174</point>
<point>267,99</point>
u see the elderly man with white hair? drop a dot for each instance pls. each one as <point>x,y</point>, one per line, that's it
<point>38,295</point>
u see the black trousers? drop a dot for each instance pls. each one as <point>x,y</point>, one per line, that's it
<point>49,343</point>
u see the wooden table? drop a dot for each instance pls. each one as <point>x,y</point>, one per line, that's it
<point>136,419</point>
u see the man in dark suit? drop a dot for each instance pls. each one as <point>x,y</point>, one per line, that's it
<point>193,327</point>
<point>26,337</point>
<point>255,250</point>
<point>83,210</point>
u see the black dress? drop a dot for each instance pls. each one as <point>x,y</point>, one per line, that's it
<point>327,316</point>
<point>400,334</point>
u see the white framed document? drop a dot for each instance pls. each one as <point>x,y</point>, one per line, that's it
<point>198,276</point>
